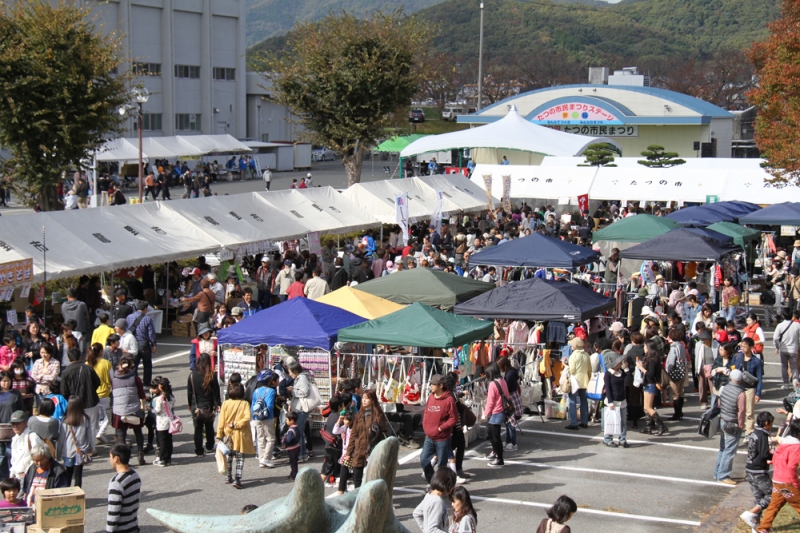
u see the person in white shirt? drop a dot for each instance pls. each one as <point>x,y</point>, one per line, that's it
<point>490,276</point>
<point>127,341</point>
<point>70,201</point>
<point>216,287</point>
<point>21,444</point>
<point>316,287</point>
<point>267,177</point>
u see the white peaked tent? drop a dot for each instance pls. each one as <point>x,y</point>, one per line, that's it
<point>459,191</point>
<point>302,207</point>
<point>377,198</point>
<point>511,132</point>
<point>127,149</point>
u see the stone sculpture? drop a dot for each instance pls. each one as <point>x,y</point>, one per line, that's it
<point>305,510</point>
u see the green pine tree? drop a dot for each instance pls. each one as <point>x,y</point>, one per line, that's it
<point>599,155</point>
<point>658,158</point>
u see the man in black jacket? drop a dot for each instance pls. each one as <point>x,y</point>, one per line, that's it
<point>121,308</point>
<point>82,381</point>
<point>757,468</point>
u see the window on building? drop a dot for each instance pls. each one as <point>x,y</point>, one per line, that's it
<point>147,69</point>
<point>187,122</point>
<point>150,122</point>
<point>265,137</point>
<point>187,71</point>
<point>228,74</point>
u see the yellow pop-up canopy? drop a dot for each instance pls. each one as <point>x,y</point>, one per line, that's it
<point>360,303</point>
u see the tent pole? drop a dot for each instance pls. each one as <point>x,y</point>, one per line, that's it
<point>166,295</point>
<point>401,168</point>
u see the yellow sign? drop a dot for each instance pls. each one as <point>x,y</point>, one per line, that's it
<point>15,272</point>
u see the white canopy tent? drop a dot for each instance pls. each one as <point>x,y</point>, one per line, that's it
<point>127,149</point>
<point>511,132</point>
<point>304,208</point>
<point>377,198</point>
<point>459,191</point>
<point>657,184</point>
<point>529,181</point>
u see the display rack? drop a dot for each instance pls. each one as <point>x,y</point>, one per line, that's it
<point>241,359</point>
<point>318,364</point>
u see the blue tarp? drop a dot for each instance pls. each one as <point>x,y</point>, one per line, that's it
<point>297,322</point>
<point>787,213</point>
<point>711,233</point>
<point>681,245</point>
<point>536,250</point>
<point>537,299</point>
<point>705,215</point>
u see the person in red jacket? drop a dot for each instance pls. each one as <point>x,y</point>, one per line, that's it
<point>438,423</point>
<point>493,413</point>
<point>785,485</point>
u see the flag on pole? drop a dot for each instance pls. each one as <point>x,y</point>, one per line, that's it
<point>507,193</point>
<point>436,217</point>
<point>401,214</point>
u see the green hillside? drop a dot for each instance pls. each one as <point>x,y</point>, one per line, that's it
<point>525,34</point>
<point>272,18</point>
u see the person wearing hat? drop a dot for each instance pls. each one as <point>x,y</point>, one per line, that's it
<point>580,367</point>
<point>262,407</point>
<point>732,401</point>
<point>101,332</point>
<point>144,330</point>
<point>659,288</point>
<point>21,444</point>
<point>237,314</point>
<point>203,343</point>
<point>264,276</point>
<point>121,307</point>
<point>216,287</point>
<point>795,258</point>
<point>127,342</point>
<point>438,421</point>
<point>616,398</point>
<point>703,361</point>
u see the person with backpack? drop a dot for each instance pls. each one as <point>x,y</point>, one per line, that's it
<point>677,363</point>
<point>263,405</point>
<point>498,408</point>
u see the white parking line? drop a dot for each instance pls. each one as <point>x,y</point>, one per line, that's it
<point>173,356</point>
<point>410,457</point>
<point>580,509</point>
<point>611,472</point>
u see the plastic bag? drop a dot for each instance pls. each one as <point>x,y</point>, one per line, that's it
<point>222,462</point>
<point>612,421</point>
<point>638,378</point>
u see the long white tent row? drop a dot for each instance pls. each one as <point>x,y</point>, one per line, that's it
<point>87,241</point>
<point>694,181</point>
<point>125,149</point>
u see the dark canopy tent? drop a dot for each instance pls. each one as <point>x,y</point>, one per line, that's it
<point>536,250</point>
<point>680,245</point>
<point>419,325</point>
<point>297,322</point>
<point>537,299</point>
<point>740,234</point>
<point>703,215</point>
<point>637,228</point>
<point>787,213</point>
<point>707,232</point>
<point>431,287</point>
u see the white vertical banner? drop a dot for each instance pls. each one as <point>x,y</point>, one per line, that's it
<point>401,214</point>
<point>436,217</point>
<point>507,193</point>
<point>487,184</point>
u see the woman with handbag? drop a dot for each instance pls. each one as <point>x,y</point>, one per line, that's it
<point>651,367</point>
<point>305,398</point>
<point>101,367</point>
<point>234,432</point>
<point>204,402</point>
<point>127,392</point>
<point>367,429</point>
<point>163,408</point>
<point>494,412</point>
<point>75,441</point>
<point>10,401</point>
<point>677,363</point>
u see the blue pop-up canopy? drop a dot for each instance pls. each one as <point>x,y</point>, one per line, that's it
<point>297,322</point>
<point>536,250</point>
<point>681,245</point>
<point>787,213</point>
<point>704,215</point>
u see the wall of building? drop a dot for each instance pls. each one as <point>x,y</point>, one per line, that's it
<point>209,34</point>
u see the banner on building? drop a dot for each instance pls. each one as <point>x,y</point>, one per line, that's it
<point>507,193</point>
<point>583,203</point>
<point>15,272</point>
<point>436,217</point>
<point>401,214</point>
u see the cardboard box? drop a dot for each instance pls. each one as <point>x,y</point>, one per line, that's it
<point>183,329</point>
<point>68,529</point>
<point>59,508</point>
<point>754,298</point>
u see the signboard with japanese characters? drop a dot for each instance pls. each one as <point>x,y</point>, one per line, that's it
<point>16,272</point>
<point>576,113</point>
<point>600,131</point>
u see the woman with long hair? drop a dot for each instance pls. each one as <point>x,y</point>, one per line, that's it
<point>32,342</point>
<point>163,408</point>
<point>706,315</point>
<point>204,402</point>
<point>10,401</point>
<point>75,440</point>
<point>234,427</point>
<point>45,369</point>
<point>127,391</point>
<point>368,428</point>
<point>101,367</point>
<point>22,382</point>
<point>651,368</point>
<point>493,413</point>
<point>677,365</point>
<point>465,517</point>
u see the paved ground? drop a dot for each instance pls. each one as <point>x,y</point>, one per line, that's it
<point>658,485</point>
<point>326,173</point>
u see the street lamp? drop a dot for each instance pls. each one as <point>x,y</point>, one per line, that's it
<point>480,64</point>
<point>140,95</point>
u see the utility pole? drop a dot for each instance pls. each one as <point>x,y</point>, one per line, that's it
<point>480,64</point>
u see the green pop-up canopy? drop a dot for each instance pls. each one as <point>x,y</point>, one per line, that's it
<point>740,234</point>
<point>419,325</point>
<point>638,228</point>
<point>431,287</point>
<point>397,144</point>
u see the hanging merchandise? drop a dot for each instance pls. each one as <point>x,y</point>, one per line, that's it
<point>237,359</point>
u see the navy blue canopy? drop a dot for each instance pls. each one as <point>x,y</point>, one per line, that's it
<point>711,233</point>
<point>685,244</point>
<point>297,322</point>
<point>536,250</point>
<point>705,215</point>
<point>537,299</point>
<point>787,213</point>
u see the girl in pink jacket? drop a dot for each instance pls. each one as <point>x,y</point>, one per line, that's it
<point>494,412</point>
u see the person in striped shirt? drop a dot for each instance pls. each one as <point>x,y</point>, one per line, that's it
<point>123,493</point>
